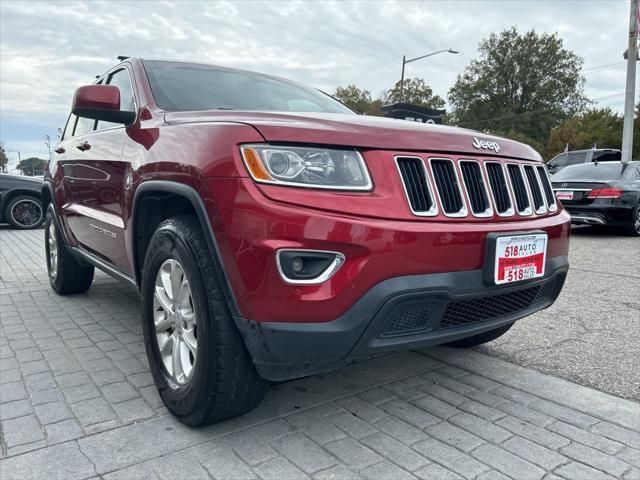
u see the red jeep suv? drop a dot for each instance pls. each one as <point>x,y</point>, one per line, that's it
<point>273,233</point>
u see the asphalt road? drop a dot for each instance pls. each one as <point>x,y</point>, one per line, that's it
<point>591,335</point>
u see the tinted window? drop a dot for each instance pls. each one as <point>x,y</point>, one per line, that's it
<point>577,157</point>
<point>560,160</point>
<point>607,156</point>
<point>121,80</point>
<point>183,86</point>
<point>589,172</point>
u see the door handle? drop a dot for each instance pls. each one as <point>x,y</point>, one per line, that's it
<point>60,150</point>
<point>83,146</point>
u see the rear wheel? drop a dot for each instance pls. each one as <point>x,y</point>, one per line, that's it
<point>197,357</point>
<point>66,274</point>
<point>634,227</point>
<point>480,338</point>
<point>24,212</point>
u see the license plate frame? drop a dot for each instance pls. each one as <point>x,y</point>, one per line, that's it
<point>566,195</point>
<point>531,261</point>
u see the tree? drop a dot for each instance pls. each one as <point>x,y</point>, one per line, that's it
<point>601,126</point>
<point>416,92</point>
<point>32,166</point>
<point>522,82</point>
<point>4,160</point>
<point>353,97</point>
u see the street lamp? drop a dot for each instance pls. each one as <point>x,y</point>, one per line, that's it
<point>405,61</point>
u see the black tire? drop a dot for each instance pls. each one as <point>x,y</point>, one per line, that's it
<point>223,382</point>
<point>634,227</point>
<point>66,275</point>
<point>28,217</point>
<point>480,338</point>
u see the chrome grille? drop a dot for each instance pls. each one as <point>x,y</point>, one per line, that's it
<point>448,187</point>
<point>499,188</point>
<point>546,186</point>
<point>534,188</point>
<point>479,187</point>
<point>519,189</point>
<point>476,189</point>
<point>416,185</point>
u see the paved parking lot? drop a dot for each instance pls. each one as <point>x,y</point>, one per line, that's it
<point>77,401</point>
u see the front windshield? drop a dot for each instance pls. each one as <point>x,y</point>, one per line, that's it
<point>185,86</point>
<point>590,172</point>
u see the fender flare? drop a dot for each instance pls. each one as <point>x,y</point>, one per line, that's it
<point>194,198</point>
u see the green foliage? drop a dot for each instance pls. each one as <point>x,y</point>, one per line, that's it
<point>416,92</point>
<point>600,125</point>
<point>3,158</point>
<point>355,98</point>
<point>522,82</point>
<point>32,166</point>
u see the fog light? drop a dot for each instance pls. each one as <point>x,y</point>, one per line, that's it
<point>308,267</point>
<point>297,264</point>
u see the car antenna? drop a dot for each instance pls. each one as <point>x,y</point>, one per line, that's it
<point>122,57</point>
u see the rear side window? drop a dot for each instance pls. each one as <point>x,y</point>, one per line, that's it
<point>68,128</point>
<point>560,160</point>
<point>607,156</point>
<point>576,157</point>
<point>84,126</point>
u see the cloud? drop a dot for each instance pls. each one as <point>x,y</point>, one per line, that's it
<point>49,48</point>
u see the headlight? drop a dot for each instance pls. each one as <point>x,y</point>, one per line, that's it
<point>307,167</point>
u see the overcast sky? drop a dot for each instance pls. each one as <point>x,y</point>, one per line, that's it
<point>50,48</point>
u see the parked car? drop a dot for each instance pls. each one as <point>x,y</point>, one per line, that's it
<point>574,157</point>
<point>273,233</point>
<point>601,194</point>
<point>20,201</point>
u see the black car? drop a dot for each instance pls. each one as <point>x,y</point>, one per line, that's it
<point>575,157</point>
<point>20,202</point>
<point>601,194</point>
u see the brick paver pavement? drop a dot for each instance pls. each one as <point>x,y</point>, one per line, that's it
<point>77,401</point>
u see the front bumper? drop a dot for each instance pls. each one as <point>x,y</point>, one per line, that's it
<point>399,313</point>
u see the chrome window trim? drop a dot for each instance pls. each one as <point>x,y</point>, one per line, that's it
<point>527,212</point>
<point>489,211</point>
<point>323,277</point>
<point>554,206</point>
<point>463,212</point>
<point>433,211</point>
<point>510,212</point>
<point>543,209</point>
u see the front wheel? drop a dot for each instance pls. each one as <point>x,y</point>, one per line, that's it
<point>197,357</point>
<point>480,338</point>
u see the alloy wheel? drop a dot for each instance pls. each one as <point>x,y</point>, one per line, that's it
<point>26,212</point>
<point>637,220</point>
<point>53,250</point>
<point>175,323</point>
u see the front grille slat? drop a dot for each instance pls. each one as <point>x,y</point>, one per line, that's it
<point>416,185</point>
<point>474,183</point>
<point>534,188</point>
<point>447,186</point>
<point>519,188</point>
<point>546,186</point>
<point>499,188</point>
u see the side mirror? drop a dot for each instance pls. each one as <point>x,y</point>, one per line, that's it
<point>101,102</point>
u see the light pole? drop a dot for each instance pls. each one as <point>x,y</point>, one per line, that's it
<point>405,61</point>
<point>629,98</point>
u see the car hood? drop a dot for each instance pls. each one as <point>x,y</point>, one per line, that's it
<point>363,132</point>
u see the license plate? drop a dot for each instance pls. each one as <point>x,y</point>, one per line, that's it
<point>519,257</point>
<point>564,195</point>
